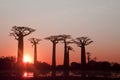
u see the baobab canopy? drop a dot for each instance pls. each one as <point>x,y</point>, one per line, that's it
<point>19,31</point>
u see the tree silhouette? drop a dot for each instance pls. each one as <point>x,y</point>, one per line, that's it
<point>34,42</point>
<point>69,48</point>
<point>19,33</point>
<point>7,63</point>
<point>66,41</point>
<point>82,42</point>
<point>88,56</point>
<point>54,40</point>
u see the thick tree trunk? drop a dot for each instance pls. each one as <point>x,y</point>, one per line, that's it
<point>66,62</point>
<point>35,59</point>
<point>20,57</point>
<point>65,55</point>
<point>83,61</point>
<point>68,58</point>
<point>54,60</point>
<point>20,50</point>
<point>83,56</point>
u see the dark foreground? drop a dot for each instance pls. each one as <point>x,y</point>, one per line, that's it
<point>59,78</point>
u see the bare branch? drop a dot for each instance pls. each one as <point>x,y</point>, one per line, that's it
<point>13,34</point>
<point>64,36</point>
<point>88,42</point>
<point>82,41</point>
<point>70,48</point>
<point>34,41</point>
<point>54,39</point>
<point>19,31</point>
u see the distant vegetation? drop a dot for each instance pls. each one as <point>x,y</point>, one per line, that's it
<point>9,63</point>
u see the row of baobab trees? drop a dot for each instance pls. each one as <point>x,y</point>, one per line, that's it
<point>20,32</point>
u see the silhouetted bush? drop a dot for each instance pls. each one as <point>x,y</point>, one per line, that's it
<point>115,66</point>
<point>93,65</point>
<point>7,63</point>
<point>43,66</point>
<point>75,65</point>
<point>60,67</point>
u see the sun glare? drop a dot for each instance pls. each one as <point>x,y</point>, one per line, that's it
<point>27,58</point>
<point>25,74</point>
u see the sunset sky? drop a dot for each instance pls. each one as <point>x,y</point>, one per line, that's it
<point>96,19</point>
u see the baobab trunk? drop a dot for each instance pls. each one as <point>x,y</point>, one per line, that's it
<point>54,60</point>
<point>83,61</point>
<point>35,59</point>
<point>20,57</point>
<point>68,58</point>
<point>83,56</point>
<point>20,51</point>
<point>66,63</point>
<point>65,55</point>
<point>88,57</point>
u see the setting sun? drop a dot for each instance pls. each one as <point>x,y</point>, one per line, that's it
<point>27,58</point>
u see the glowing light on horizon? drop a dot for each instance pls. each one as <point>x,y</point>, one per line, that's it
<point>27,58</point>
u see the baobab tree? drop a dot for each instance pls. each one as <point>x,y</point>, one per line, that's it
<point>82,42</point>
<point>69,48</point>
<point>66,40</point>
<point>88,56</point>
<point>34,42</point>
<point>54,40</point>
<point>19,33</point>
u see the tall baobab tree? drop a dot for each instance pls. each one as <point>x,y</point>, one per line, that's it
<point>54,40</point>
<point>19,33</point>
<point>69,48</point>
<point>65,39</point>
<point>34,42</point>
<point>82,42</point>
<point>88,56</point>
